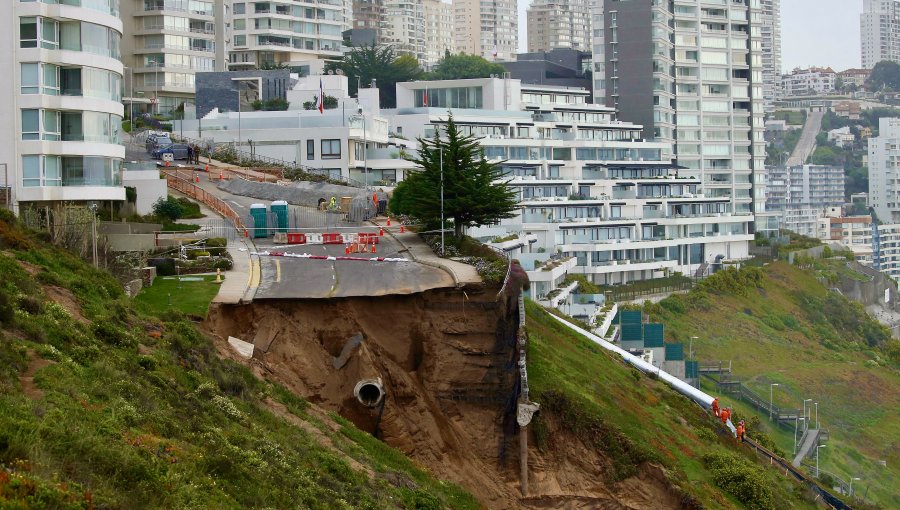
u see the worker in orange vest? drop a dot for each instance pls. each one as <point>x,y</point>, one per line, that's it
<point>740,431</point>
<point>724,414</point>
<point>715,407</point>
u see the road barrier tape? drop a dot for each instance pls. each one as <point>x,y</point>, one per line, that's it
<point>326,257</point>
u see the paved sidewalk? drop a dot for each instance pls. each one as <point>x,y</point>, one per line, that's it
<point>462,274</point>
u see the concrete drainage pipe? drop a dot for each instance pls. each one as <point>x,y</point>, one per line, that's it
<point>369,392</point>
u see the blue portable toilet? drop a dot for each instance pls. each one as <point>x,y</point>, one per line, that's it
<point>259,215</point>
<point>279,209</point>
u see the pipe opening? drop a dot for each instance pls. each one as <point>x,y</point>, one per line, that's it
<point>369,392</point>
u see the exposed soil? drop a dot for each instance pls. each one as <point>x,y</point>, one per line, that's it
<point>26,378</point>
<point>64,298</point>
<point>447,363</point>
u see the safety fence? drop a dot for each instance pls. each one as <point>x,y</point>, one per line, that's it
<point>729,385</point>
<point>213,202</point>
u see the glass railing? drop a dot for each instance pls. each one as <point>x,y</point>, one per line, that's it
<point>110,7</point>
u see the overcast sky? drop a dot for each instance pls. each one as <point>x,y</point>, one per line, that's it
<point>813,32</point>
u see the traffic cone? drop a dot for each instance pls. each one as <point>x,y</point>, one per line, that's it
<point>401,229</point>
<point>380,232</point>
<point>220,176</point>
<point>207,168</point>
<point>389,221</point>
<point>167,164</point>
<point>347,250</point>
<point>373,247</point>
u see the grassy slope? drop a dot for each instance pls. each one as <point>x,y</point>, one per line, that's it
<point>125,418</point>
<point>659,424</point>
<point>788,332</point>
<point>183,294</point>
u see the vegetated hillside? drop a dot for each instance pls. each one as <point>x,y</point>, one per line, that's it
<point>778,324</point>
<point>592,403</point>
<point>103,406</point>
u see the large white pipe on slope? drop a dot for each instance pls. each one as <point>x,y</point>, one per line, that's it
<point>680,386</point>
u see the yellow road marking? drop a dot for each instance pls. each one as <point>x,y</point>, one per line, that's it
<point>255,273</point>
<point>277,271</point>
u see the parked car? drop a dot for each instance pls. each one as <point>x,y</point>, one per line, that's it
<point>157,140</point>
<point>177,150</point>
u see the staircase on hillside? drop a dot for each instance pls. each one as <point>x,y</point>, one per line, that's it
<point>808,442</point>
<point>701,271</point>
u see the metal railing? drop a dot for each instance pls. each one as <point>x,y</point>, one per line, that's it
<point>174,181</point>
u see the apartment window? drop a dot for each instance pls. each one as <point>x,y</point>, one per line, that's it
<point>310,149</point>
<point>331,149</point>
<point>240,40</point>
<point>50,129</point>
<point>240,8</point>
<point>28,32</point>
<point>31,124</point>
<point>31,78</point>
<point>31,171</point>
<point>240,24</point>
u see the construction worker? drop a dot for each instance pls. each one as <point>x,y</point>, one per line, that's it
<point>724,414</point>
<point>715,407</point>
<point>740,431</point>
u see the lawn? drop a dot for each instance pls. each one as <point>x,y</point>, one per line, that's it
<point>190,295</point>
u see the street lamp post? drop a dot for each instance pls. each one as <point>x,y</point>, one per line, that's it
<point>691,348</point>
<point>240,159</point>
<point>806,423</point>
<point>771,388</point>
<point>851,483</point>
<point>817,414</point>
<point>360,115</point>
<point>441,149</point>
<point>817,458</point>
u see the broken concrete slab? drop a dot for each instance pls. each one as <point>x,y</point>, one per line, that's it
<point>243,348</point>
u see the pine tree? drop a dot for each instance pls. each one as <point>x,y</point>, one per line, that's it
<point>474,193</point>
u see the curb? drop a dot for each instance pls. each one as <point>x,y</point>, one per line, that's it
<point>423,262</point>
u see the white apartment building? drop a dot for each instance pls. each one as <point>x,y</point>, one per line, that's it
<point>884,171</point>
<point>596,198</point>
<point>166,42</point>
<point>276,32</point>
<point>329,143</point>
<point>852,232</point>
<point>556,24</point>
<point>691,73</point>
<point>489,28</point>
<point>439,30</point>
<point>879,32</point>
<point>61,141</point>
<point>802,194</point>
<point>771,52</point>
<point>404,27</point>
<point>808,82</point>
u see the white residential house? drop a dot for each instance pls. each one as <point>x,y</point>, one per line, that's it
<point>807,82</point>
<point>841,136</point>
<point>599,199</point>
<point>329,143</point>
<point>61,140</point>
<point>884,172</point>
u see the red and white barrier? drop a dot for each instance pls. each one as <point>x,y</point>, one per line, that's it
<point>327,257</point>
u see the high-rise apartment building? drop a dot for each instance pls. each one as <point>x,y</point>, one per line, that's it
<point>486,27</point>
<point>369,15</point>
<point>439,28</point>
<point>166,42</point>
<point>61,141</point>
<point>691,73</point>
<point>771,52</point>
<point>559,24</point>
<point>283,32</point>
<point>884,171</point>
<point>404,27</point>
<point>880,32</point>
<point>801,194</point>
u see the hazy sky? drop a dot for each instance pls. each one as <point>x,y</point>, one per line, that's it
<point>813,32</point>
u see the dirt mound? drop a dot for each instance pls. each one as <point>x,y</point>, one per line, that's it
<point>447,364</point>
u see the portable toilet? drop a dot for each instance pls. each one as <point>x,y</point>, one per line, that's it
<point>279,208</point>
<point>259,215</point>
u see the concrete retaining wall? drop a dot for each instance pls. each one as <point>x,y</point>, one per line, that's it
<point>871,292</point>
<point>301,193</point>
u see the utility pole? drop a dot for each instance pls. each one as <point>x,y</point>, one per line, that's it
<point>817,415</point>
<point>93,209</point>
<point>771,387</point>
<point>806,422</point>
<point>817,458</point>
<point>796,421</point>
<point>691,348</point>
<point>239,125</point>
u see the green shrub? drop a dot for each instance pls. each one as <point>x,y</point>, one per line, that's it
<point>223,264</point>
<point>195,254</point>
<point>216,242</point>
<point>168,208</point>
<point>7,311</point>
<point>740,478</point>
